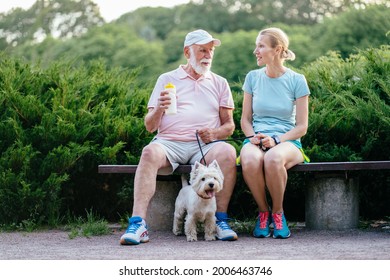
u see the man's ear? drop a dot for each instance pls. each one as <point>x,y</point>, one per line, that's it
<point>186,51</point>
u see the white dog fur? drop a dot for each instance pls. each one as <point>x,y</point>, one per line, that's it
<point>197,201</point>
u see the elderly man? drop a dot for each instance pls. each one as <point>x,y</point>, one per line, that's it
<point>204,109</point>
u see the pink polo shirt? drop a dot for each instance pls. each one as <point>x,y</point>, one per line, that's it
<point>198,104</point>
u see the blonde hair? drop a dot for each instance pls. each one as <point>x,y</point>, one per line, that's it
<point>279,38</point>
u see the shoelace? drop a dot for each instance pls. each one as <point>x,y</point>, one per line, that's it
<point>132,228</point>
<point>263,216</point>
<point>278,220</point>
<point>223,225</point>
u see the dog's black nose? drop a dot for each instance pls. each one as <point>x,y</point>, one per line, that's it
<point>211,185</point>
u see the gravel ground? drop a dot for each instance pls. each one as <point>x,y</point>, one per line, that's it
<point>302,245</point>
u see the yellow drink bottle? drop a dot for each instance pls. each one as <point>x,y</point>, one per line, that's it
<point>172,109</point>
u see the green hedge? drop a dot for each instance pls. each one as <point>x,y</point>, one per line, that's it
<point>350,118</point>
<point>58,124</point>
<point>349,110</point>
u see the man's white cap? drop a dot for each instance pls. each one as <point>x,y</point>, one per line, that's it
<point>200,37</point>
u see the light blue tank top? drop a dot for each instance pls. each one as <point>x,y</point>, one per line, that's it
<point>274,99</point>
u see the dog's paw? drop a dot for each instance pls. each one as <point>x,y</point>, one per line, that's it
<point>209,237</point>
<point>191,238</point>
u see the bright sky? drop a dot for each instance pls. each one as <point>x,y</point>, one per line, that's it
<point>109,9</point>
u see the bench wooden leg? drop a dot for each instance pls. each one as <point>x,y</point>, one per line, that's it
<point>332,202</point>
<point>162,205</point>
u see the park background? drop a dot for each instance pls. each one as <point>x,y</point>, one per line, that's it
<point>74,88</point>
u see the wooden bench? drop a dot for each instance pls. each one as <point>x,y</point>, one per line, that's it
<point>331,196</point>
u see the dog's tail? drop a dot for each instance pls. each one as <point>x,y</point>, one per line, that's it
<point>184,180</point>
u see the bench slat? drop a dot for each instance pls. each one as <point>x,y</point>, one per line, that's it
<point>342,166</point>
<point>313,166</point>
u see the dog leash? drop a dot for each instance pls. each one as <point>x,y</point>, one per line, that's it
<point>221,140</point>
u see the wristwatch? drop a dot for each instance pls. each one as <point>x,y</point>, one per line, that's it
<point>276,139</point>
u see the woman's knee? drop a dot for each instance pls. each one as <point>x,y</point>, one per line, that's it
<point>273,159</point>
<point>250,157</point>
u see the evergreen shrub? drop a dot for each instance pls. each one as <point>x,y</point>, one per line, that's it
<point>56,126</point>
<point>349,118</point>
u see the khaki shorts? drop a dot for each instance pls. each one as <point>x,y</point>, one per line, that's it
<point>179,152</point>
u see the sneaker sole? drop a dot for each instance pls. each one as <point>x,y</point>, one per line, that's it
<point>262,236</point>
<point>228,238</point>
<point>129,241</point>
<point>282,237</point>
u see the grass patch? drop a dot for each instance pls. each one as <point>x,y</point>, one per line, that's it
<point>242,226</point>
<point>92,225</point>
<point>380,224</point>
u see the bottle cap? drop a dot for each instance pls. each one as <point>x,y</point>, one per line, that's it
<point>169,85</point>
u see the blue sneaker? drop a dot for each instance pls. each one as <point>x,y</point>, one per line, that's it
<point>280,226</point>
<point>224,232</point>
<point>262,225</point>
<point>136,232</point>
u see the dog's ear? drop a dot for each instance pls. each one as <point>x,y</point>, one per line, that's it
<point>195,170</point>
<point>215,165</point>
<point>196,165</point>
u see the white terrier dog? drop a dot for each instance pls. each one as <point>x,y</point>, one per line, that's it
<point>197,200</point>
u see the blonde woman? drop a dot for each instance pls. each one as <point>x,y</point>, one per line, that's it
<point>275,111</point>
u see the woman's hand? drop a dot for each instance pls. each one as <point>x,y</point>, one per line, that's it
<point>264,142</point>
<point>255,140</point>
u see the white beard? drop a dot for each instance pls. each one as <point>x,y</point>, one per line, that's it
<point>198,67</point>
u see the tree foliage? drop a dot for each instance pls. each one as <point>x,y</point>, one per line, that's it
<point>355,29</point>
<point>230,15</point>
<point>115,45</point>
<point>151,39</point>
<point>55,18</point>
